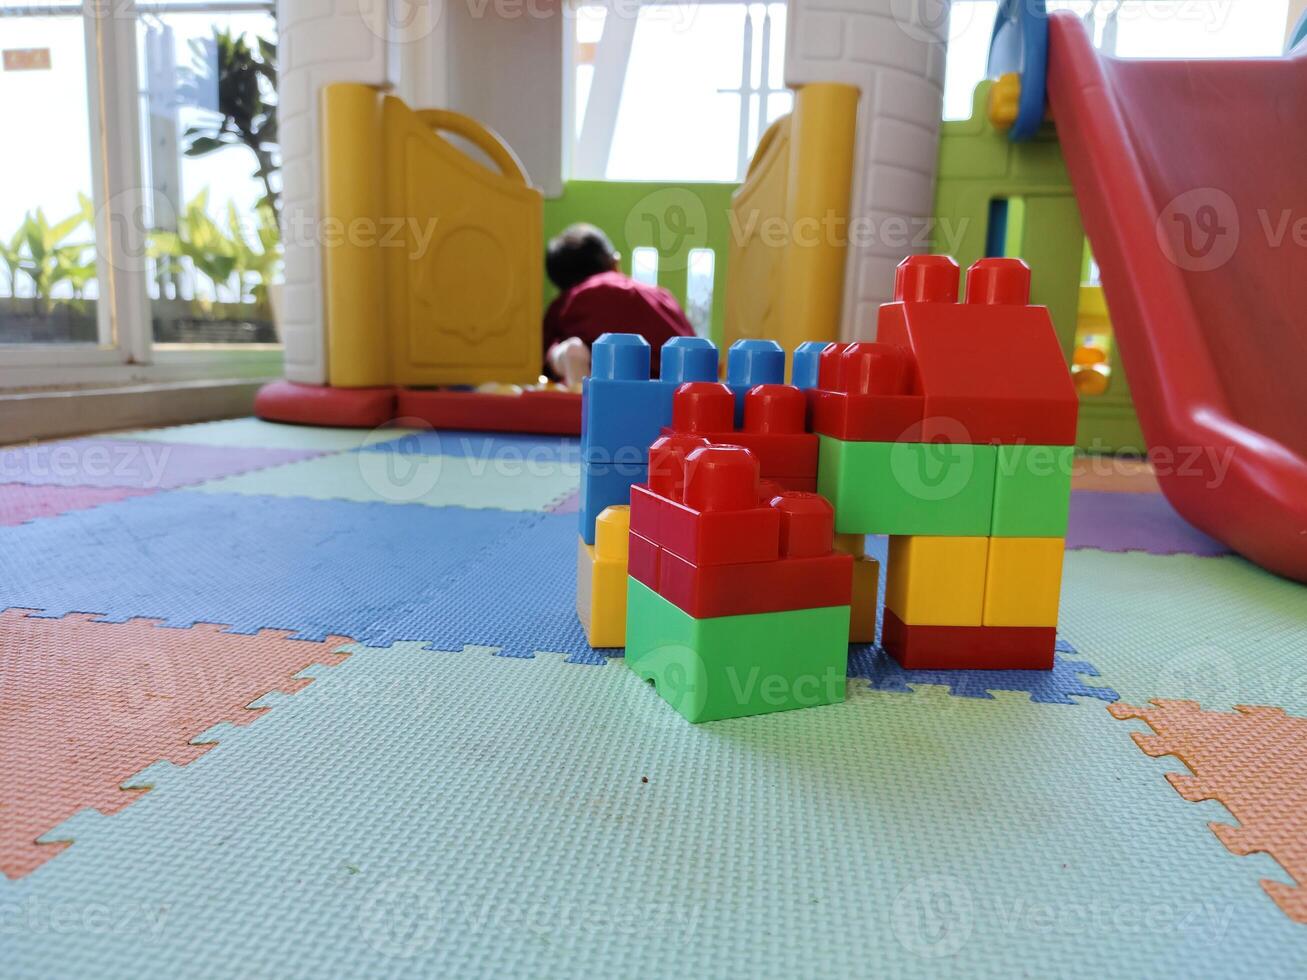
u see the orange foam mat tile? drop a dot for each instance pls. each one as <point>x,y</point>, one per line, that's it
<point>1253,761</point>
<point>85,704</point>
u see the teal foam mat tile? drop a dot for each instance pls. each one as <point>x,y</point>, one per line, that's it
<point>433,813</point>
<point>252,433</point>
<point>404,478</point>
<point>1219,631</point>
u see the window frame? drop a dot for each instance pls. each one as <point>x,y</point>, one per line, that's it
<point>126,351</point>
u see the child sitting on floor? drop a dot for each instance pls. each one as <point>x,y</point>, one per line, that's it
<point>594,298</point>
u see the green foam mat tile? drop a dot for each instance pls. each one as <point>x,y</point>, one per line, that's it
<point>434,813</point>
<point>404,478</point>
<point>256,433</point>
<point>1220,631</point>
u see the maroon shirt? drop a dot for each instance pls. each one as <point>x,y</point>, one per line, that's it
<point>612,302</point>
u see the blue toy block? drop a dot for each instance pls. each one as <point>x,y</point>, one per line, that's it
<point>688,359</point>
<point>753,362</point>
<point>624,410</point>
<point>807,358</point>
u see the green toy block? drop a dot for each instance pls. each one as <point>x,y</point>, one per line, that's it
<point>1032,491</point>
<point>734,666</point>
<point>908,487</point>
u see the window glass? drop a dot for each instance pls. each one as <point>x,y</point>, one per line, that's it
<point>48,285</point>
<point>208,125</point>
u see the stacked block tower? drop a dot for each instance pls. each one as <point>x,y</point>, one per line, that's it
<point>737,603</point>
<point>953,434</point>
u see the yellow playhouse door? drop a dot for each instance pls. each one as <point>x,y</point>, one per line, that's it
<point>464,273</point>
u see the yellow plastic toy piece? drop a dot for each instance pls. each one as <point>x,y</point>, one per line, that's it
<point>432,270</point>
<point>789,223</point>
<point>1004,99</point>
<point>866,587</point>
<point>937,581</point>
<point>601,579</point>
<point>1023,581</point>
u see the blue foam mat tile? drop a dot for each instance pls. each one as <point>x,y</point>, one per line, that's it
<point>316,567</point>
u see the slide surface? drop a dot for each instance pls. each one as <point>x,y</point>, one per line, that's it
<point>1190,178</point>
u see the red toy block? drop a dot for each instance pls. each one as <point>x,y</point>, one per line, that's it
<point>775,425</point>
<point>872,397</point>
<point>667,463</point>
<point>721,520</point>
<point>968,647</point>
<point>707,591</point>
<point>643,560</point>
<point>807,525</point>
<point>991,369</point>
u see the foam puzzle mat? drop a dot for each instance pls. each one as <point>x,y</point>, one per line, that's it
<point>314,702</point>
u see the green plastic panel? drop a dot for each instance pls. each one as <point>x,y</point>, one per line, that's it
<point>908,487</point>
<point>735,666</point>
<point>673,218</point>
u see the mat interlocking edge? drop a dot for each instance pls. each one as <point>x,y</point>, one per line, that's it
<point>87,704</point>
<point>427,812</point>
<point>1253,761</point>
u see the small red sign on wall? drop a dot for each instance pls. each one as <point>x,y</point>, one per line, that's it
<point>27,59</point>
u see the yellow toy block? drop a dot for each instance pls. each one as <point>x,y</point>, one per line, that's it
<point>601,579</point>
<point>937,580</point>
<point>866,585</point>
<point>862,611</point>
<point>1023,580</point>
<point>851,544</point>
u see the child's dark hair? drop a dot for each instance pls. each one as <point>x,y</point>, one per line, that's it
<point>577,253</point>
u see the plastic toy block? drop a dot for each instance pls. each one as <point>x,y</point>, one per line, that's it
<point>709,591</point>
<point>991,369</point>
<point>908,487</point>
<point>851,544</point>
<point>804,366</point>
<point>601,579</point>
<point>863,603</point>
<point>735,666</point>
<point>623,411</point>
<point>774,428</point>
<point>715,515</point>
<point>644,560</point>
<point>872,396</point>
<point>1023,581</point>
<point>1032,491</point>
<point>750,363</point>
<point>807,525</point>
<point>937,581</point>
<point>968,647</point>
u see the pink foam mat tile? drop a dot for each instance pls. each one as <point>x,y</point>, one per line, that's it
<point>20,502</point>
<point>134,464</point>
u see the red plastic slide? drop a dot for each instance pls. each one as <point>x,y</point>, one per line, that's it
<point>1192,180</point>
